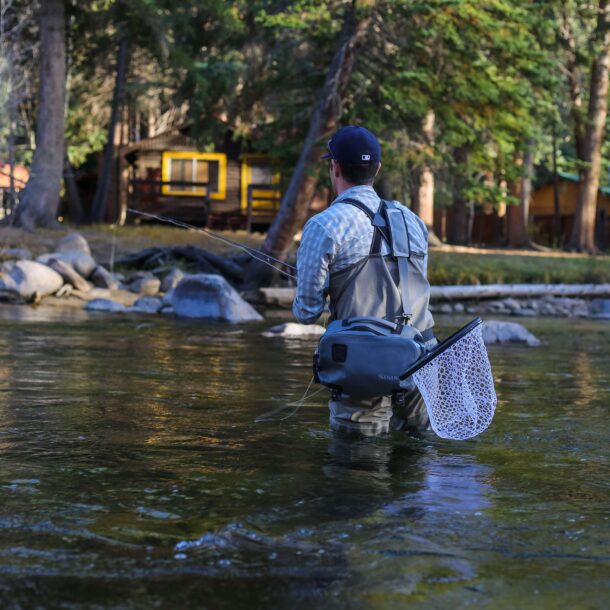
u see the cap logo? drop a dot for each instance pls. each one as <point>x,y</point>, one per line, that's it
<point>366,157</point>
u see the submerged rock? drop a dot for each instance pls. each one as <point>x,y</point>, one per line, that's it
<point>30,279</point>
<point>105,305</point>
<point>73,242</point>
<point>102,278</point>
<point>496,331</point>
<point>82,262</point>
<point>209,296</point>
<point>292,330</point>
<point>146,305</point>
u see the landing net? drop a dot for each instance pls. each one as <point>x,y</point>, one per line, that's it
<point>457,385</point>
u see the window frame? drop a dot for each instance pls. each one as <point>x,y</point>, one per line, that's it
<point>247,160</point>
<point>220,158</point>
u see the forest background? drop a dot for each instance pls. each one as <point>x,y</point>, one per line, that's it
<point>473,101</point>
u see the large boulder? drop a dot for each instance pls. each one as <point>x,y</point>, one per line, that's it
<point>30,279</point>
<point>82,262</point>
<point>496,331</point>
<point>73,242</point>
<point>210,296</point>
<point>292,330</point>
<point>105,305</point>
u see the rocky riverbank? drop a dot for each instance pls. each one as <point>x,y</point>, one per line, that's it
<point>558,307</point>
<point>154,281</point>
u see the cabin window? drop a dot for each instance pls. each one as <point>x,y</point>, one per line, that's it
<point>194,174</point>
<point>256,171</point>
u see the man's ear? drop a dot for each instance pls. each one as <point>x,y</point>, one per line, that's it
<point>335,168</point>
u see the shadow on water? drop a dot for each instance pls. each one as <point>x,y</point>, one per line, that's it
<point>133,475</point>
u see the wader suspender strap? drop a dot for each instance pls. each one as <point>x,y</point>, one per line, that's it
<point>389,224</point>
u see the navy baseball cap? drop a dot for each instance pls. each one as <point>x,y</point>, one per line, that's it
<point>354,144</point>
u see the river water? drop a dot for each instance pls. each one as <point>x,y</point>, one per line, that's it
<point>134,475</point>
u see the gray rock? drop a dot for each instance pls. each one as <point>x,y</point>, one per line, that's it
<point>291,330</point>
<point>30,279</point>
<point>105,305</point>
<point>600,306</point>
<point>512,304</point>
<point>210,296</point>
<point>445,308</point>
<point>15,254</point>
<point>458,308</point>
<point>82,262</point>
<point>145,285</point>
<point>496,331</point>
<point>146,305</point>
<point>524,312</point>
<point>69,275</point>
<point>73,242</point>
<point>102,278</point>
<point>144,282</point>
<point>167,311</point>
<point>171,280</point>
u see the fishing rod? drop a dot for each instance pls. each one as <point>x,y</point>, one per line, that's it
<point>255,254</point>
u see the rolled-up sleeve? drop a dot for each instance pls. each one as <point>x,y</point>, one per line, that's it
<point>315,254</point>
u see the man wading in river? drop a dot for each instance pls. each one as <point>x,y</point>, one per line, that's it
<point>337,258</point>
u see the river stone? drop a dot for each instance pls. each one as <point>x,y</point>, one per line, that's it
<point>146,305</point>
<point>171,280</point>
<point>15,254</point>
<point>82,262</point>
<point>73,242</point>
<point>210,296</point>
<point>600,306</point>
<point>496,331</point>
<point>105,305</point>
<point>69,275</point>
<point>144,282</point>
<point>29,279</point>
<point>292,330</point>
<point>102,278</point>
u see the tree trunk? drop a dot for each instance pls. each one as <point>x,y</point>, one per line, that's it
<point>518,213</point>
<point>459,232</point>
<point>100,199</point>
<point>40,198</point>
<point>300,190</point>
<point>424,200</point>
<point>583,232</point>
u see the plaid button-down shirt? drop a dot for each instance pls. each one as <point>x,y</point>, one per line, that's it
<point>334,239</point>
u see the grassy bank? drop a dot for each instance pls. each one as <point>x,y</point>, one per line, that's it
<point>494,267</point>
<point>447,265</point>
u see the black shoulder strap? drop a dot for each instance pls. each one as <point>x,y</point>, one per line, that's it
<point>380,232</point>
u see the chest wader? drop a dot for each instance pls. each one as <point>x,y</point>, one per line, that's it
<point>378,306</point>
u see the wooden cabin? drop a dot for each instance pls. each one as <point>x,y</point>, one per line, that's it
<point>226,188</point>
<point>542,210</point>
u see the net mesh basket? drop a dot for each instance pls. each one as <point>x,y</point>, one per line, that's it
<point>458,388</point>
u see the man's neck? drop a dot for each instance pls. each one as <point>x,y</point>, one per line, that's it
<point>343,186</point>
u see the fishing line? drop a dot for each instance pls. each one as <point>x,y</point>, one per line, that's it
<point>297,405</point>
<point>255,254</point>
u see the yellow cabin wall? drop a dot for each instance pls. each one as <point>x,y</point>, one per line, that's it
<point>542,203</point>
